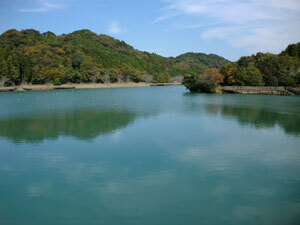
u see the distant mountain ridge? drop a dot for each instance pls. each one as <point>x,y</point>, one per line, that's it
<point>28,56</point>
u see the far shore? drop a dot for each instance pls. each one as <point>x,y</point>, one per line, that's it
<point>37,87</point>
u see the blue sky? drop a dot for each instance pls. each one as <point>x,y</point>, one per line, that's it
<point>230,28</point>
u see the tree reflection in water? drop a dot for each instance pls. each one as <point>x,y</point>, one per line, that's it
<point>83,124</point>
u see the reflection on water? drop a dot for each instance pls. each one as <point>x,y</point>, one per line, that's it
<point>82,124</point>
<point>158,156</point>
<point>43,121</point>
<point>259,111</point>
<point>258,117</point>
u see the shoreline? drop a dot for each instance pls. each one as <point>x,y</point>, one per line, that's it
<point>47,87</point>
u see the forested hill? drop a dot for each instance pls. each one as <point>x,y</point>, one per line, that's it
<point>265,69</point>
<point>261,69</point>
<point>195,59</point>
<point>29,56</point>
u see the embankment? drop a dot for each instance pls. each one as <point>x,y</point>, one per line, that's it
<point>81,86</point>
<point>280,90</point>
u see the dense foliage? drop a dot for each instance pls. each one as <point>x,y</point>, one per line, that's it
<point>28,56</point>
<point>198,61</point>
<point>265,69</point>
<point>206,82</point>
<point>262,69</point>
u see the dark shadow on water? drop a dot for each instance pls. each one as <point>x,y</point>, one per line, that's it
<point>82,124</point>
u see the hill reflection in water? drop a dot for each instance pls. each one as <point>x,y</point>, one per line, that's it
<point>83,125</point>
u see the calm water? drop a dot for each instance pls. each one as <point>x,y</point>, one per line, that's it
<point>147,156</point>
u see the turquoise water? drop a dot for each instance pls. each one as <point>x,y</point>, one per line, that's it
<point>153,155</point>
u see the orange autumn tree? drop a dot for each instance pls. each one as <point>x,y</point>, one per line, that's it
<point>211,77</point>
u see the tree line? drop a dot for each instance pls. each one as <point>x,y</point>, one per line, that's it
<point>261,69</point>
<point>31,57</point>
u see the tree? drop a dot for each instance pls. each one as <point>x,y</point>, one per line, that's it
<point>248,76</point>
<point>3,69</point>
<point>212,77</point>
<point>206,82</point>
<point>288,69</point>
<point>268,65</point>
<point>37,76</point>
<point>166,77</point>
<point>27,69</point>
<point>297,78</point>
<point>131,74</point>
<point>74,76</point>
<point>162,78</point>
<point>254,77</point>
<point>13,73</point>
<point>191,81</point>
<point>292,50</point>
<point>113,76</point>
<point>271,81</point>
<point>229,71</point>
<point>245,61</point>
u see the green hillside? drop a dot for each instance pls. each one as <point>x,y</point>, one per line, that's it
<point>196,59</point>
<point>261,69</point>
<point>265,69</point>
<point>29,56</point>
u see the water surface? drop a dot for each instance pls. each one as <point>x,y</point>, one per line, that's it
<point>151,155</point>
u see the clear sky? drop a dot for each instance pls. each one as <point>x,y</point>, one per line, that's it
<point>230,28</point>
